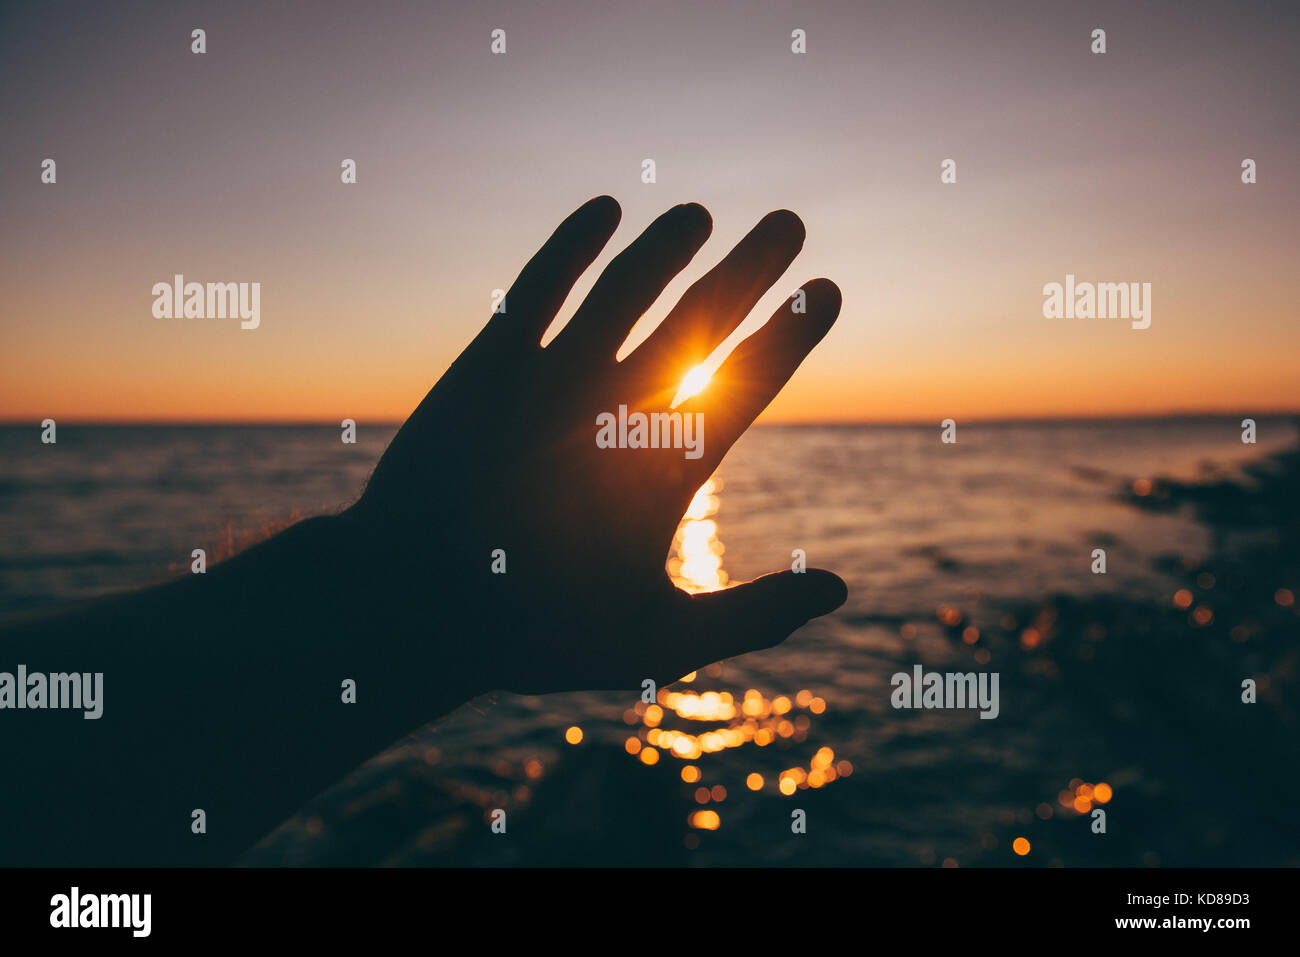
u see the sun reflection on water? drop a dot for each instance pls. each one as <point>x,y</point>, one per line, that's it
<point>696,565</point>
<point>671,726</point>
<point>689,728</point>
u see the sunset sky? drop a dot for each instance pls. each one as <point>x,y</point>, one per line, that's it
<point>1122,167</point>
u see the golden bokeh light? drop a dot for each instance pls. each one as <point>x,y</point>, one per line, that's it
<point>705,820</point>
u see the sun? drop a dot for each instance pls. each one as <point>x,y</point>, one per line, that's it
<point>694,382</point>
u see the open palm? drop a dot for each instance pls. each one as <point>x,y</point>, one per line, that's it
<point>501,464</point>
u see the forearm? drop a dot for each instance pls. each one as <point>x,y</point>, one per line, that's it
<point>222,692</point>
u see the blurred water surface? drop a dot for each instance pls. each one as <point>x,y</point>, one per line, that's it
<point>954,556</point>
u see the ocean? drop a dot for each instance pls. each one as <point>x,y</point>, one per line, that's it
<point>1120,691</point>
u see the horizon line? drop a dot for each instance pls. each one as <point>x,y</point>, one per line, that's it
<point>784,423</point>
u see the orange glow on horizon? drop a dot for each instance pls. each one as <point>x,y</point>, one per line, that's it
<point>154,387</point>
<point>267,377</point>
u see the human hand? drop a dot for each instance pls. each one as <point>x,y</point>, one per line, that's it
<point>503,454</point>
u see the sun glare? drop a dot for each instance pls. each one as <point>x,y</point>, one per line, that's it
<point>694,382</point>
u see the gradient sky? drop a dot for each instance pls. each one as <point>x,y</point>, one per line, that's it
<point>225,167</point>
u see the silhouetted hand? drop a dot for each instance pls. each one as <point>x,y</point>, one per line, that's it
<point>231,691</point>
<point>502,454</point>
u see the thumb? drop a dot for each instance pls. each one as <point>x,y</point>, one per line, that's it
<point>758,614</point>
